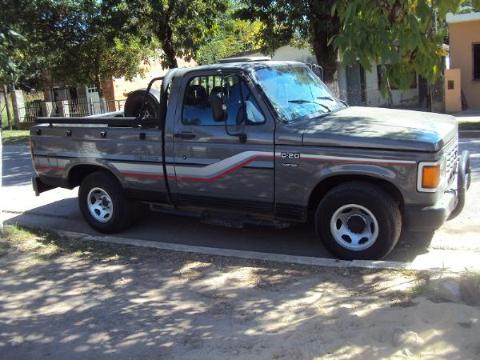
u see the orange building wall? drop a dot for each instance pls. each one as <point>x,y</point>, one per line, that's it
<point>462,37</point>
<point>453,96</point>
<point>153,68</point>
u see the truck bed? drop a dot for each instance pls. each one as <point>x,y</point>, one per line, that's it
<point>132,149</point>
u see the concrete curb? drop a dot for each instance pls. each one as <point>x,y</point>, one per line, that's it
<point>255,255</point>
<point>441,260</point>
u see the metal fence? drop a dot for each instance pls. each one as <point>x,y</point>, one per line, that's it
<point>85,108</point>
<point>70,108</point>
<point>31,111</point>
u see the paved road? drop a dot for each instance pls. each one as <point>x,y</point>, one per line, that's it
<point>58,209</point>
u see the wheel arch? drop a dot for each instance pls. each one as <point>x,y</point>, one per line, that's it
<point>77,172</point>
<point>325,185</point>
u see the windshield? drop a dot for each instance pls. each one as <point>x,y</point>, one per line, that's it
<point>296,92</point>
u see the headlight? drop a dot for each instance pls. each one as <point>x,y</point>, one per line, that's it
<point>430,175</point>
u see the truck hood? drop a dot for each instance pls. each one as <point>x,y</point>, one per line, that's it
<point>379,128</point>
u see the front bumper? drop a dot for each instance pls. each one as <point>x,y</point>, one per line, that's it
<point>429,218</point>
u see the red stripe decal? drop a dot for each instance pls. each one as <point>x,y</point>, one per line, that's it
<point>246,162</point>
<point>356,162</point>
<point>224,173</point>
<point>47,168</point>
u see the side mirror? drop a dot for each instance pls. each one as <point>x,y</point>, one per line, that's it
<point>219,109</point>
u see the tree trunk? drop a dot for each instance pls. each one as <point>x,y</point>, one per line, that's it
<point>7,106</point>
<point>99,86</point>
<point>323,26</point>
<point>168,48</point>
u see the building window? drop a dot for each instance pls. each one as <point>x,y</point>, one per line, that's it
<point>476,61</point>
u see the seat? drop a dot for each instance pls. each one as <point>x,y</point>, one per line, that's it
<point>196,96</point>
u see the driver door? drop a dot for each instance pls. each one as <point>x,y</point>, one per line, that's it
<point>212,168</point>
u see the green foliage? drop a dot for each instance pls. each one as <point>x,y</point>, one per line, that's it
<point>74,42</point>
<point>230,37</point>
<point>283,20</point>
<point>180,27</point>
<point>83,41</point>
<point>88,41</point>
<point>296,21</point>
<point>15,136</point>
<point>10,55</point>
<point>404,34</point>
<point>16,66</point>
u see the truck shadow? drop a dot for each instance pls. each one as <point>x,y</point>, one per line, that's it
<point>298,240</point>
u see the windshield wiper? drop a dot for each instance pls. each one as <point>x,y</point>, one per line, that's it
<point>333,99</point>
<point>302,101</point>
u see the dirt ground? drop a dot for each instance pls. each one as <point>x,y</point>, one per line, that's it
<point>65,300</point>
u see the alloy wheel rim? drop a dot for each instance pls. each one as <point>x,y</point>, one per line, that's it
<point>100,205</point>
<point>354,227</point>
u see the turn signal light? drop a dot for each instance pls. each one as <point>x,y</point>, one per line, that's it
<point>430,176</point>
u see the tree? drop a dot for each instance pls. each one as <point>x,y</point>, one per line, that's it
<point>75,42</point>
<point>15,65</point>
<point>401,36</point>
<point>8,67</point>
<point>285,21</point>
<point>180,27</point>
<point>85,42</point>
<point>230,36</point>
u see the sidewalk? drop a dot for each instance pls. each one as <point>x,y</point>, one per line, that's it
<point>470,115</point>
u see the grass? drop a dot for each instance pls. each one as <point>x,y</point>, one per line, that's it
<point>15,136</point>
<point>3,117</point>
<point>473,277</point>
<point>4,247</point>
<point>420,289</point>
<point>38,246</point>
<point>41,246</point>
<point>469,125</point>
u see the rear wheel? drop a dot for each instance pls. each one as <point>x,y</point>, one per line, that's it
<point>358,220</point>
<point>103,203</point>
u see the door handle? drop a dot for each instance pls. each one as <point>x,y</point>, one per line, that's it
<point>184,135</point>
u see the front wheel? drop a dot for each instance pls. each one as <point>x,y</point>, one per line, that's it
<point>358,220</point>
<point>103,203</point>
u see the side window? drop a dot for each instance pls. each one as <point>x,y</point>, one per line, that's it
<point>196,104</point>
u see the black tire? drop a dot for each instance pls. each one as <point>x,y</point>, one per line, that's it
<point>122,215</point>
<point>385,210</point>
<point>134,104</point>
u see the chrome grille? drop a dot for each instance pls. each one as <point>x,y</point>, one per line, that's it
<point>451,154</point>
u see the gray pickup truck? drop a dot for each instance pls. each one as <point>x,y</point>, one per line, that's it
<point>253,141</point>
